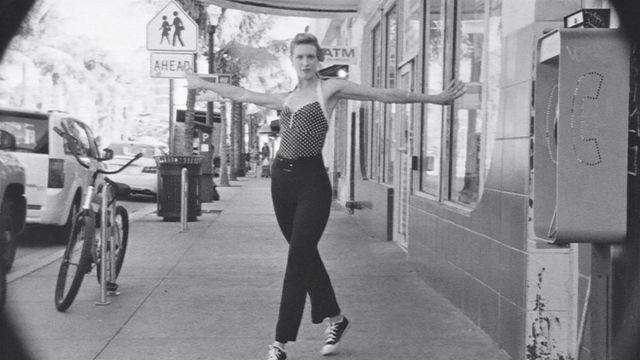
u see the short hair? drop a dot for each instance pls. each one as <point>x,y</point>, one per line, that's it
<point>306,39</point>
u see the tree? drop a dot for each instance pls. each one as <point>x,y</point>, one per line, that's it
<point>244,62</point>
<point>52,65</point>
<point>184,140</point>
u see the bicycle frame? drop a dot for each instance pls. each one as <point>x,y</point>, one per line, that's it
<point>108,238</point>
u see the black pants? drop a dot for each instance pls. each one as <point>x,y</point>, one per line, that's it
<point>301,194</point>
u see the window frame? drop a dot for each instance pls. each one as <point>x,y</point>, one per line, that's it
<point>444,114</point>
<point>389,110</point>
<point>379,144</point>
<point>451,70</point>
<point>373,140</point>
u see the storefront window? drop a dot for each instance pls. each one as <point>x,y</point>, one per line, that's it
<point>411,35</point>
<point>391,75</point>
<point>462,40</point>
<point>492,83</point>
<point>432,124</point>
<point>469,114</point>
<point>376,147</point>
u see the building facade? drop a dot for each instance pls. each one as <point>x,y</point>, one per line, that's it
<point>454,186</point>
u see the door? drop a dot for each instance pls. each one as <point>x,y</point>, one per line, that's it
<point>402,184</point>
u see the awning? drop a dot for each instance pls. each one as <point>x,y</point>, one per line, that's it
<point>301,8</point>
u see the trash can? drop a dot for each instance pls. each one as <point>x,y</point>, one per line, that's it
<point>169,186</point>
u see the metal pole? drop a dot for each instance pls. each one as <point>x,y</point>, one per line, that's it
<point>171,119</point>
<point>106,190</point>
<point>224,174</point>
<point>183,200</point>
<point>207,184</point>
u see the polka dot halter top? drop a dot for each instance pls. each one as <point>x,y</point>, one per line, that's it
<point>303,132</point>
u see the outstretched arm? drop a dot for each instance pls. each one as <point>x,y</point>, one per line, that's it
<point>353,91</point>
<point>235,93</point>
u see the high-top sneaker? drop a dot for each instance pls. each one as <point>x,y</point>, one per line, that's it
<point>335,333</point>
<point>275,353</point>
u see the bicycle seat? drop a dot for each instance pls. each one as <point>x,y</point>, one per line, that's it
<point>121,190</point>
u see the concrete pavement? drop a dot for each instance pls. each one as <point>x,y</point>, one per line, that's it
<point>212,292</point>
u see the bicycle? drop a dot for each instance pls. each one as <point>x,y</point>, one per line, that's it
<point>85,248</point>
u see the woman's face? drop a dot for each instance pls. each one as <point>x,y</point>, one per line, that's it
<point>305,61</point>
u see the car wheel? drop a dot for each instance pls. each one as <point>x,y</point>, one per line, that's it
<point>3,285</point>
<point>8,232</point>
<point>61,233</point>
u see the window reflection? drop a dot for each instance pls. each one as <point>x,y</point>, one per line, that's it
<point>468,122</point>
<point>392,63</point>
<point>411,35</point>
<point>432,130</point>
<point>478,52</point>
<point>375,144</point>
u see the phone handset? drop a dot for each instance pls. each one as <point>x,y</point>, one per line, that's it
<point>584,103</point>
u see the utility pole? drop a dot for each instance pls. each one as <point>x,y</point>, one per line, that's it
<point>236,131</point>
<point>224,170</point>
<point>207,185</point>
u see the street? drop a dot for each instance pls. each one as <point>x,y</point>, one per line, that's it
<point>36,248</point>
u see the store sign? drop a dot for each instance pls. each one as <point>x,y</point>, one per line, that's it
<point>171,65</point>
<point>342,55</point>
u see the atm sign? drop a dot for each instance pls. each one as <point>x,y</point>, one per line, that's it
<point>339,55</point>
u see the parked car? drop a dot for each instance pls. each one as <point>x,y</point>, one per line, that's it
<point>13,205</point>
<point>141,176</point>
<point>54,180</point>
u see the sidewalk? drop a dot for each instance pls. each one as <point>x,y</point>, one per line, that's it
<point>213,292</point>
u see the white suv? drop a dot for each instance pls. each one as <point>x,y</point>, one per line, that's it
<point>55,180</point>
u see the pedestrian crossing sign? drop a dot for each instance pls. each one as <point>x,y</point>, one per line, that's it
<point>172,29</point>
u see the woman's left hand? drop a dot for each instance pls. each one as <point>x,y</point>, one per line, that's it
<point>194,81</point>
<point>454,90</point>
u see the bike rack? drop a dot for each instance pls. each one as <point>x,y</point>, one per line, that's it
<point>106,272</point>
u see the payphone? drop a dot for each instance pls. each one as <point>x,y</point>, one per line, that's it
<point>581,136</point>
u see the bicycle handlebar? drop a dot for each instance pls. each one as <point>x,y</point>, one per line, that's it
<point>72,140</point>
<point>138,156</point>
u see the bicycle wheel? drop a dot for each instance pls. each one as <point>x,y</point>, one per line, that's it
<point>119,233</point>
<point>76,261</point>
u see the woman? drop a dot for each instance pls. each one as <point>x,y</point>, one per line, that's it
<point>300,187</point>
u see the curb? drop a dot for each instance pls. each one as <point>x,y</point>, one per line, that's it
<point>40,263</point>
